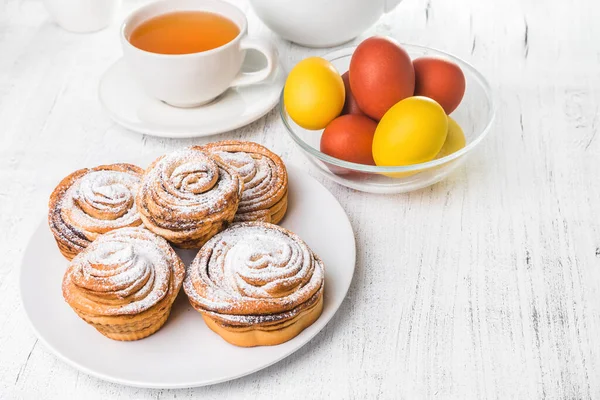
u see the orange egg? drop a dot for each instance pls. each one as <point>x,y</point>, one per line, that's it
<point>350,105</point>
<point>381,74</point>
<point>440,80</point>
<point>350,138</point>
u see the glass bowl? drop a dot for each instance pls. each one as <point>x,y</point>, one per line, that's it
<point>475,115</point>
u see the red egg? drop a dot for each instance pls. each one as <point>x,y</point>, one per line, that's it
<point>440,80</point>
<point>350,138</point>
<point>381,74</point>
<point>350,105</point>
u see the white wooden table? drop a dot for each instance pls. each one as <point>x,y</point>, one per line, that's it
<point>486,285</point>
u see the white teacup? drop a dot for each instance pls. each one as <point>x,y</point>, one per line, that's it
<point>190,80</point>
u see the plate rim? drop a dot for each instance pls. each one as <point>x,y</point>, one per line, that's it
<point>183,134</point>
<point>195,384</point>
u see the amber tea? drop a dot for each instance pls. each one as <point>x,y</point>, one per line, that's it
<point>184,32</point>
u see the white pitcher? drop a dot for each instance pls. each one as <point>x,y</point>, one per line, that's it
<point>321,23</point>
<point>83,15</point>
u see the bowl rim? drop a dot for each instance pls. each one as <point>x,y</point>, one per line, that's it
<point>345,52</point>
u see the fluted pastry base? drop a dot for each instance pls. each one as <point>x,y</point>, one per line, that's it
<point>270,335</point>
<point>130,327</point>
<point>190,240</point>
<point>274,215</point>
<point>278,211</point>
<point>67,250</point>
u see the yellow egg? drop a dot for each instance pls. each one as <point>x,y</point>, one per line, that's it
<point>411,132</point>
<point>455,139</point>
<point>314,93</point>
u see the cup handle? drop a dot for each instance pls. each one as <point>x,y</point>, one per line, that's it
<point>270,53</point>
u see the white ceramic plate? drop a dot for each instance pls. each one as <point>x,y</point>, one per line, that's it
<point>128,105</point>
<point>185,353</point>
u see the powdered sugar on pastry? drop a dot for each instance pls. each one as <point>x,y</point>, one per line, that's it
<point>126,271</point>
<point>254,271</point>
<point>102,201</point>
<point>264,175</point>
<point>187,196</point>
<point>90,202</point>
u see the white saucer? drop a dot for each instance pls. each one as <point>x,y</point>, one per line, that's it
<point>128,105</point>
<point>185,352</point>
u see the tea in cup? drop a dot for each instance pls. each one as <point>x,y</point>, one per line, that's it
<point>188,52</point>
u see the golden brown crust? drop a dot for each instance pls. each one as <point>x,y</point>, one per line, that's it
<point>265,179</point>
<point>188,196</point>
<point>124,283</point>
<point>93,201</point>
<point>269,335</point>
<point>256,284</point>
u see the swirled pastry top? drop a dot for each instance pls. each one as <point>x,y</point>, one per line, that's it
<point>186,189</point>
<point>90,202</point>
<point>263,172</point>
<point>126,271</point>
<point>254,272</point>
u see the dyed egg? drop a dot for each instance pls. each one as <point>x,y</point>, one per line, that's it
<point>411,132</point>
<point>455,139</point>
<point>381,74</point>
<point>350,105</point>
<point>314,93</point>
<point>350,138</point>
<point>441,80</point>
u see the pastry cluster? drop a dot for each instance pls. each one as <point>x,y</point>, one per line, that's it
<point>254,282</point>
